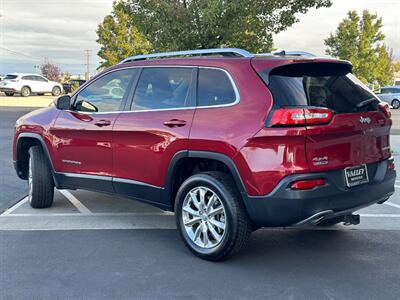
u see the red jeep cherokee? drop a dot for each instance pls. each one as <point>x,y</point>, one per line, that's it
<point>229,143</point>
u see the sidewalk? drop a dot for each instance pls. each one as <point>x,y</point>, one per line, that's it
<point>32,101</point>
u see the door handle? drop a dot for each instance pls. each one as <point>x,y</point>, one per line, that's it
<point>102,123</point>
<point>175,123</point>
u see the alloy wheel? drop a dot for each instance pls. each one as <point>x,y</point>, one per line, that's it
<point>204,217</point>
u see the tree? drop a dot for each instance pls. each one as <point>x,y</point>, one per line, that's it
<point>65,77</point>
<point>360,40</point>
<point>197,24</point>
<point>189,24</point>
<point>50,71</point>
<point>119,37</point>
<point>396,66</point>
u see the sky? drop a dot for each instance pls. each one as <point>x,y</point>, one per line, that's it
<point>60,30</point>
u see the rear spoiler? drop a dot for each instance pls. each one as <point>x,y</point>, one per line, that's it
<point>291,67</point>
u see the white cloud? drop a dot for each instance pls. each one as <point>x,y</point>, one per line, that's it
<point>315,26</point>
<point>59,30</point>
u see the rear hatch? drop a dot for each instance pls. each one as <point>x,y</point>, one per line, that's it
<point>346,124</point>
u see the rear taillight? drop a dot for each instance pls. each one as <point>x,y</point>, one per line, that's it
<point>307,184</point>
<point>391,166</point>
<point>385,108</point>
<point>300,116</point>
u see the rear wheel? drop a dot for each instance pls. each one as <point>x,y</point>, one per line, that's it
<point>210,216</point>
<point>396,104</point>
<point>56,91</point>
<point>40,179</point>
<point>9,94</point>
<point>25,91</point>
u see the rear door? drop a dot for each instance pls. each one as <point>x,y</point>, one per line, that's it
<point>30,81</point>
<point>358,132</point>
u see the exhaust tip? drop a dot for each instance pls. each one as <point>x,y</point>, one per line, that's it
<point>351,219</point>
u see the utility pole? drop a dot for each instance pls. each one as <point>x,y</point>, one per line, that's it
<point>88,54</point>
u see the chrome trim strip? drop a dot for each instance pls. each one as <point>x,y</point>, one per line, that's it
<point>237,95</point>
<point>222,51</point>
<point>134,182</point>
<point>85,176</point>
<point>315,218</point>
<point>108,178</point>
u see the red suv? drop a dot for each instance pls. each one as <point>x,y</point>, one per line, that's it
<point>229,141</point>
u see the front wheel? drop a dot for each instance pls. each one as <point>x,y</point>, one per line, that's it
<point>56,91</point>
<point>40,179</point>
<point>210,216</point>
<point>396,104</point>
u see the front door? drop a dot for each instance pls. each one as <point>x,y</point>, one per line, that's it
<point>156,129</point>
<point>82,137</point>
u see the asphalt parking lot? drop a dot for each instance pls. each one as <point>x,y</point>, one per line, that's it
<point>97,246</point>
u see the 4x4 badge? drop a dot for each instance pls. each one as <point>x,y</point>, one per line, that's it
<point>366,120</point>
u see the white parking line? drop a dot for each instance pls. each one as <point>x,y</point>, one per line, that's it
<point>392,204</point>
<point>380,215</point>
<point>397,186</point>
<point>82,208</point>
<point>11,209</point>
<point>132,214</point>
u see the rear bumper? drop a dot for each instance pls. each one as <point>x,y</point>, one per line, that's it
<point>284,207</point>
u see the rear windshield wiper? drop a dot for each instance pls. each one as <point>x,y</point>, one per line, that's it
<point>365,102</point>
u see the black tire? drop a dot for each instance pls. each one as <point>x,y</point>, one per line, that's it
<point>395,103</point>
<point>56,91</point>
<point>40,179</point>
<point>238,226</point>
<point>9,94</point>
<point>25,91</point>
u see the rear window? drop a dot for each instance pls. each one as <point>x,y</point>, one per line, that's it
<point>318,84</point>
<point>11,77</point>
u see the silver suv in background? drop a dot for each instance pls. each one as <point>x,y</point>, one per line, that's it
<point>391,95</point>
<point>26,84</point>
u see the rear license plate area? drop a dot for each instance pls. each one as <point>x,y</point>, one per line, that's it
<point>356,175</point>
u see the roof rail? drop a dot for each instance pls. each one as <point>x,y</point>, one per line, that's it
<point>287,53</point>
<point>294,53</point>
<point>230,52</point>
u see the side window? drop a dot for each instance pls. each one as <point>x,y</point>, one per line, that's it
<point>163,88</point>
<point>384,91</point>
<point>39,78</point>
<point>27,78</point>
<point>214,88</point>
<point>105,94</point>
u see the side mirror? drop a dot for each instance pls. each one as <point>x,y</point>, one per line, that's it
<point>63,102</point>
